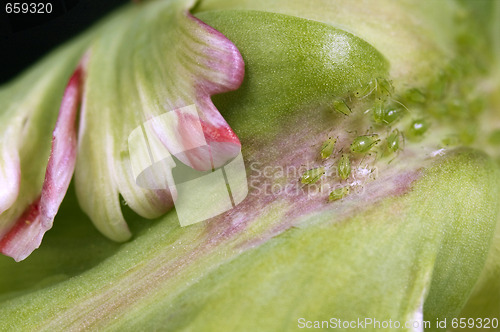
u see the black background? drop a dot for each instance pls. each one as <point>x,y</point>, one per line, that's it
<point>24,38</point>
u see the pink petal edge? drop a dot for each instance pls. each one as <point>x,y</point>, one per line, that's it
<point>27,233</point>
<point>222,143</point>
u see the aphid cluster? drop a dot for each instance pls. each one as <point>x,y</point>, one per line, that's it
<point>384,111</point>
<point>409,114</point>
<point>359,145</point>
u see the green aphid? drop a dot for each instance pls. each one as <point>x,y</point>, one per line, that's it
<point>380,87</point>
<point>362,144</point>
<point>377,112</point>
<point>340,106</point>
<point>383,114</point>
<point>391,115</point>
<point>344,167</point>
<point>384,88</point>
<point>312,175</point>
<point>338,193</point>
<point>327,147</point>
<point>414,95</point>
<point>393,140</point>
<point>418,128</point>
<point>365,89</point>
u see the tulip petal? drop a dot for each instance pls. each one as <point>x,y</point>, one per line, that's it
<point>158,60</point>
<point>28,112</point>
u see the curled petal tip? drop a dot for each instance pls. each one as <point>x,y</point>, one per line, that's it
<point>26,234</point>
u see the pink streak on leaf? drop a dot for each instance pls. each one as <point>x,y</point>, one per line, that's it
<point>27,233</point>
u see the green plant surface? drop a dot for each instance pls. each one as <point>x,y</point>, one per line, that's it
<point>416,237</point>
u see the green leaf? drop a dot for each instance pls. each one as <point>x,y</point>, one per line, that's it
<point>381,263</point>
<point>484,301</point>
<point>423,251</point>
<point>415,37</point>
<point>291,64</point>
